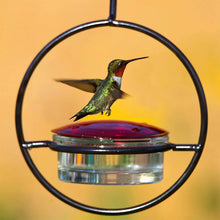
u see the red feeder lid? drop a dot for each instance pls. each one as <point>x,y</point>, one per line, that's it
<point>114,129</point>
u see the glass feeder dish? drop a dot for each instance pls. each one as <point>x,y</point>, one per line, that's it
<point>110,169</point>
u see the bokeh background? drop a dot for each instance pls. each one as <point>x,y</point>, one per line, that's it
<point>161,93</point>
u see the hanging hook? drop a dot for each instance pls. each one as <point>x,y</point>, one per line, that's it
<point>113,5</point>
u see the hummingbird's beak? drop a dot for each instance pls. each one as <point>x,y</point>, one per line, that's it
<point>128,61</point>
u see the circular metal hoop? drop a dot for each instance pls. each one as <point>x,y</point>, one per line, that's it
<point>195,79</point>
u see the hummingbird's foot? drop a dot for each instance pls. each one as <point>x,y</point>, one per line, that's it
<point>108,112</point>
<point>102,112</point>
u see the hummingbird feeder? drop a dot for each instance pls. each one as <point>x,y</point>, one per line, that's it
<point>115,137</point>
<point>111,152</point>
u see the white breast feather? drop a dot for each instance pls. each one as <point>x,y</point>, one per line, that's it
<point>117,79</point>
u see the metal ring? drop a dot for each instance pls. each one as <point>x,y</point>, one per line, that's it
<point>195,79</point>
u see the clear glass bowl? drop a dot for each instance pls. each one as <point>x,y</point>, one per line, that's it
<point>107,169</point>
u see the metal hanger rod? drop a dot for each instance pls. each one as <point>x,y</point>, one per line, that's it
<point>113,5</point>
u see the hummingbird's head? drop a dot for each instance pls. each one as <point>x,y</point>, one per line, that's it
<point>117,67</point>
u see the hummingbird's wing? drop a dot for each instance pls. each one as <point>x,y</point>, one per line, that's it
<point>87,85</point>
<point>117,93</point>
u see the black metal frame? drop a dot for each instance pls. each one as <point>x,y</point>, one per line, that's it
<point>197,148</point>
<point>122,150</point>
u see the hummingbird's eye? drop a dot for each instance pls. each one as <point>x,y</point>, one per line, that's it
<point>120,64</point>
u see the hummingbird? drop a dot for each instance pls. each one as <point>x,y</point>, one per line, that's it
<point>106,91</point>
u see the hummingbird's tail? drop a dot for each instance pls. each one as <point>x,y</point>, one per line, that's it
<point>79,115</point>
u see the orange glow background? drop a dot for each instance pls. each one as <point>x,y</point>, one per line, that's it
<point>161,93</point>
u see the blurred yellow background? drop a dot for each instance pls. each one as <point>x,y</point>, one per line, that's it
<point>161,93</point>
